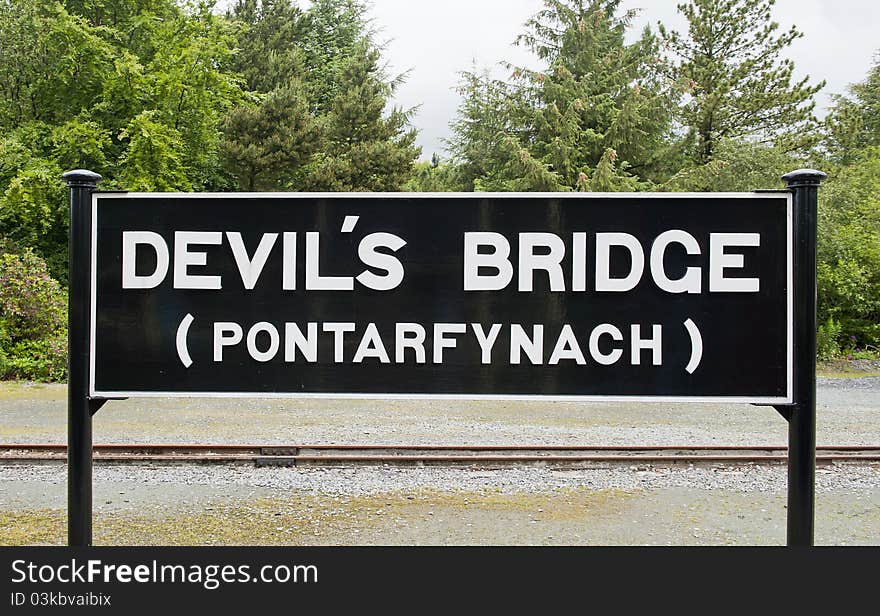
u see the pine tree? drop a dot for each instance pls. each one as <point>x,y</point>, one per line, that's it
<point>317,116</point>
<point>854,122</point>
<point>270,54</point>
<point>600,99</point>
<point>736,83</point>
<point>333,33</point>
<point>484,141</point>
<point>267,143</point>
<point>362,149</point>
<point>596,116</point>
<point>269,138</point>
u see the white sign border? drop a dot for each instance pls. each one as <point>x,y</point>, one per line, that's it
<point>788,399</point>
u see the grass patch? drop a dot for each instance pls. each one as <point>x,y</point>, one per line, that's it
<point>27,390</point>
<point>561,505</point>
<point>299,520</point>
<point>33,527</point>
<point>260,522</point>
<point>845,375</point>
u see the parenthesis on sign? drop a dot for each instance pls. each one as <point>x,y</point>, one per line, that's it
<point>182,332</point>
<point>696,346</point>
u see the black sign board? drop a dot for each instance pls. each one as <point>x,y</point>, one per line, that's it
<point>636,296</point>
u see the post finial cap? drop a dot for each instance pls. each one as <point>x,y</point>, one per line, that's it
<point>804,177</point>
<point>81,177</point>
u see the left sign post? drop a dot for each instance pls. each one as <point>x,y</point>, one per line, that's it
<point>79,406</point>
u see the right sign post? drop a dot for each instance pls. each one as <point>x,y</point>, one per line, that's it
<point>801,413</point>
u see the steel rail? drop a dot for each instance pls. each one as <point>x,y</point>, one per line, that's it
<point>224,447</point>
<point>425,455</point>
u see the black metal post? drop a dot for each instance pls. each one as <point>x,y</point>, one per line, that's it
<point>804,185</point>
<point>79,407</point>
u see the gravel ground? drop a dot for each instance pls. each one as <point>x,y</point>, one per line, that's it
<point>367,481</point>
<point>435,506</point>
<point>848,414</point>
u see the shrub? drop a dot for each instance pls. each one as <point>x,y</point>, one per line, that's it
<point>33,320</point>
<point>828,340</point>
<point>38,360</point>
<point>849,251</point>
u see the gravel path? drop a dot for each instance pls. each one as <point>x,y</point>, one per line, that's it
<point>848,414</point>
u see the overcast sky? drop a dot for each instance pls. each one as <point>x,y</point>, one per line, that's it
<point>436,40</point>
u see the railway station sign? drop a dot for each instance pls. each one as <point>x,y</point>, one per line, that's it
<point>560,296</point>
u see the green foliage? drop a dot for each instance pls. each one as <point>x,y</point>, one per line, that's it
<point>54,62</point>
<point>720,112</point>
<point>270,135</point>
<point>150,94</point>
<point>849,249</point>
<point>154,158</point>
<point>81,143</point>
<point>869,352</point>
<point>32,303</point>
<point>99,81</point>
<point>828,340</point>
<point>33,205</point>
<point>33,320</point>
<point>362,149</point>
<point>318,117</point>
<point>603,113</point>
<point>42,360</point>
<point>267,142</point>
<point>132,90</point>
<point>596,118</point>
<point>481,129</point>
<point>434,176</point>
<point>269,54</point>
<point>334,32</point>
<point>192,86</point>
<point>854,123</point>
<point>736,83</point>
<point>738,166</point>
<point>120,14</point>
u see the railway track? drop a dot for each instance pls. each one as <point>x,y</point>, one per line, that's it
<point>426,455</point>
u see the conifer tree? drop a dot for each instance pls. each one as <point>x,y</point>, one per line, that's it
<point>269,54</point>
<point>267,143</point>
<point>333,32</point>
<point>317,117</point>
<point>484,141</point>
<point>600,99</point>
<point>729,65</point>
<point>362,148</point>
<point>270,136</point>
<point>854,123</point>
<point>596,117</point>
